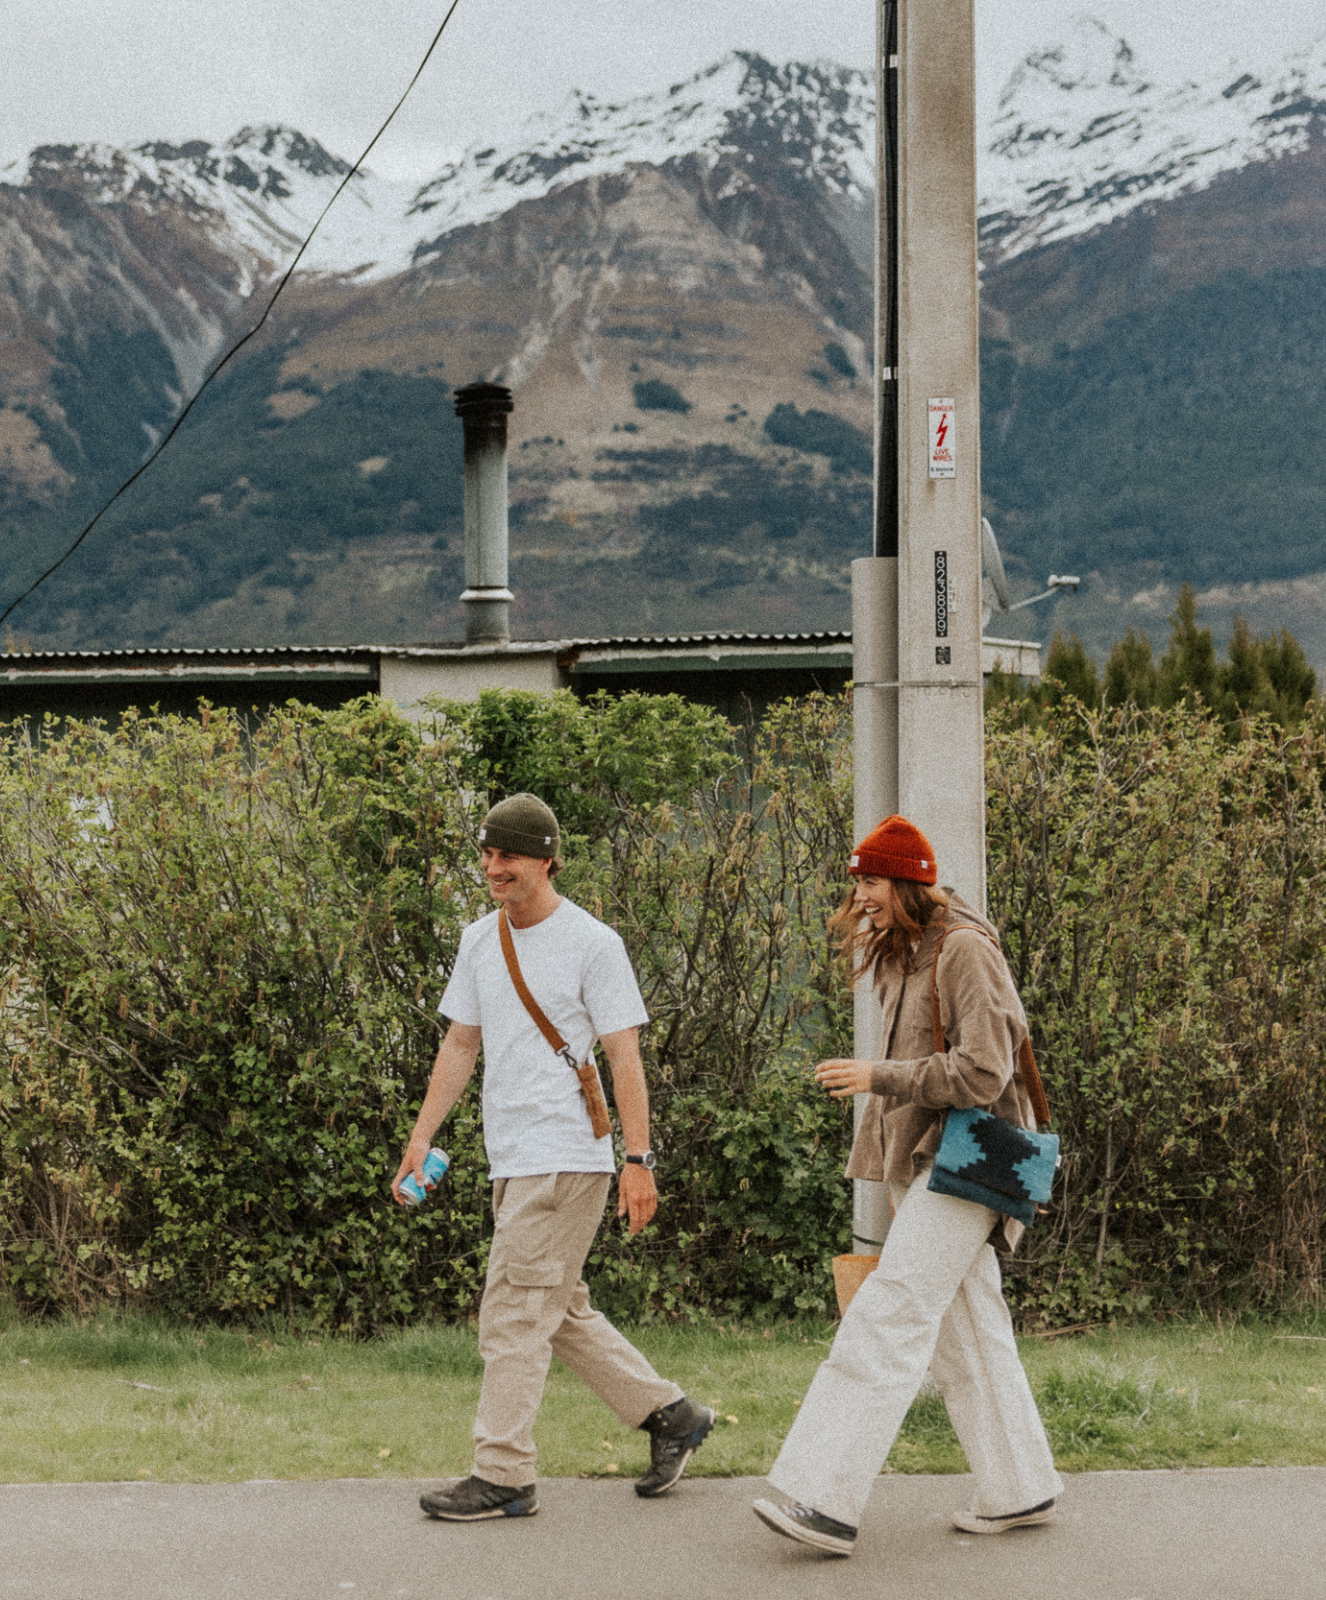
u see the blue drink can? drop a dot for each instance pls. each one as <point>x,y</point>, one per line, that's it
<point>436,1163</point>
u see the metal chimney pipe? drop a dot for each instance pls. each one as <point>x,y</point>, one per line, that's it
<point>483,409</point>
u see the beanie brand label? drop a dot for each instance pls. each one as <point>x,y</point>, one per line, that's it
<point>941,594</point>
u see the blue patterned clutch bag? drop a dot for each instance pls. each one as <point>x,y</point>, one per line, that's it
<point>985,1159</point>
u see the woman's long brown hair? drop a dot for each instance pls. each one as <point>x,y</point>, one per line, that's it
<point>868,950</point>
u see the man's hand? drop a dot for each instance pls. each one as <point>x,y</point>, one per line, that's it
<point>411,1162</point>
<point>637,1193</point>
<point>451,1072</point>
<point>844,1078</point>
<point>637,1196</point>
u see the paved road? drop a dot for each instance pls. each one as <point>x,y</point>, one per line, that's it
<point>1257,1534</point>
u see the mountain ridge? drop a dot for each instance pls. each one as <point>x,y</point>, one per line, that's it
<point>730,276</point>
<point>1081,136</point>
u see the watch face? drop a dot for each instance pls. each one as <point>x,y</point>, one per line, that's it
<point>648,1160</point>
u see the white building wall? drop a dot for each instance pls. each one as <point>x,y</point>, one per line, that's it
<point>406,679</point>
<point>1011,655</point>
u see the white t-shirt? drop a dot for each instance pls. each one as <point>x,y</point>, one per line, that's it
<point>535,1119</point>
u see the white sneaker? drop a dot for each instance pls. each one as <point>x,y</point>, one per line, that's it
<point>969,1522</point>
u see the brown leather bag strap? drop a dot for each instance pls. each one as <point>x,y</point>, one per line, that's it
<point>584,1070</point>
<point>1040,1106</point>
<point>540,1020</point>
<point>936,1020</point>
<point>1031,1076</point>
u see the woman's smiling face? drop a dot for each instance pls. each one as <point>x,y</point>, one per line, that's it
<point>879,900</point>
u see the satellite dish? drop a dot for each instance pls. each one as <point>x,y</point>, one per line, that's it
<point>994,585</point>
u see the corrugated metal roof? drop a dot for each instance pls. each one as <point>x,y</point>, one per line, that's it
<point>835,636</point>
<point>163,653</point>
<point>174,652</point>
<point>587,658</point>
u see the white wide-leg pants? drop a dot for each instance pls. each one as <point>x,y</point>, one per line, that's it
<point>935,1301</point>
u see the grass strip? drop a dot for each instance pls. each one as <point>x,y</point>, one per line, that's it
<point>120,1397</point>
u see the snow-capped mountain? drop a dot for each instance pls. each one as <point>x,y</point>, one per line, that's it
<point>260,193</point>
<point>658,278</point>
<point>257,196</point>
<point>818,118</point>
<point>1084,134</point>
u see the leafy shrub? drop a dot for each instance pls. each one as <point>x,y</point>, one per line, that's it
<point>220,957</point>
<point>215,953</point>
<point>653,394</point>
<point>1158,889</point>
<point>220,950</point>
<point>822,434</point>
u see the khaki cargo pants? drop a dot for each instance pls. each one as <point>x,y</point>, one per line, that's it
<point>535,1306</point>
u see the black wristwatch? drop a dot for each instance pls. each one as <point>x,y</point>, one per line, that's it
<point>647,1160</point>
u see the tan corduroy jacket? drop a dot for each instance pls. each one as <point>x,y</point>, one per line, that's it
<point>984,1026</point>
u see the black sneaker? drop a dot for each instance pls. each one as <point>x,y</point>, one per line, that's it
<point>675,1433</point>
<point>807,1527</point>
<point>473,1499</point>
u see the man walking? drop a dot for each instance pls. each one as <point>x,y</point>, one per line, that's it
<point>550,1171</point>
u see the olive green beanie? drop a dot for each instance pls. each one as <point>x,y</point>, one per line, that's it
<point>523,826</point>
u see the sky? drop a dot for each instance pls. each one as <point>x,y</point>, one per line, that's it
<point>130,70</point>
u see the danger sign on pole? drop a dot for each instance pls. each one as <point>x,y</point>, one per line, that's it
<point>943,444</point>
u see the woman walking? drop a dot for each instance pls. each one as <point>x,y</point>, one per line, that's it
<point>935,1300</point>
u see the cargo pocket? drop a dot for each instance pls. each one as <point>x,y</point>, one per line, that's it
<point>535,1274</point>
<point>530,1283</point>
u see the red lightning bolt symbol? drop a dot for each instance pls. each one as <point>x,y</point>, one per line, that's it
<point>943,432</point>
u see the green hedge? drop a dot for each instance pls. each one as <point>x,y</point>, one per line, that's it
<point>1159,887</point>
<point>221,948</point>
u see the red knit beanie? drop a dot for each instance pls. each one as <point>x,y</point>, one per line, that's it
<point>896,849</point>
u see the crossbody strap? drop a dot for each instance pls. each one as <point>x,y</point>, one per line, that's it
<point>537,1015</point>
<point>589,1079</point>
<point>1031,1076</point>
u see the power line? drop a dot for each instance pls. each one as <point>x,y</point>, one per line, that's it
<point>239,345</point>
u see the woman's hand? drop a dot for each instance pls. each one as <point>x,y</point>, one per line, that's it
<point>844,1078</point>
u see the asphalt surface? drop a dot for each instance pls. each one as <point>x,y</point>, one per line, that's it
<point>1255,1534</point>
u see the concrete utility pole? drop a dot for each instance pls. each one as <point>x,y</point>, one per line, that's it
<point>916,603</point>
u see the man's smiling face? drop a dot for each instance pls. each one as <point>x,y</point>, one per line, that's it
<point>513,879</point>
